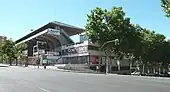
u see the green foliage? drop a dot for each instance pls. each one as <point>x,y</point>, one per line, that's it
<point>9,51</point>
<point>97,24</point>
<point>105,26</point>
<point>165,4</point>
<point>18,49</point>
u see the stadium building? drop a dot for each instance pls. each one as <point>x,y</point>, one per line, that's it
<point>52,44</point>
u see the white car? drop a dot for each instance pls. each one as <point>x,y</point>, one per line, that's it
<point>135,73</point>
<point>169,72</point>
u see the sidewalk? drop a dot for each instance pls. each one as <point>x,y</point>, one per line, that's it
<point>54,68</point>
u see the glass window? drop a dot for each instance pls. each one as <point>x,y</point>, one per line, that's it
<point>103,60</point>
<point>35,49</point>
<point>83,38</point>
<point>83,59</point>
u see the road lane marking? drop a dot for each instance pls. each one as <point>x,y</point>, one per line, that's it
<point>44,90</point>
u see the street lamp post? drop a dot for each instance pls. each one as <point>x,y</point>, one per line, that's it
<point>107,54</point>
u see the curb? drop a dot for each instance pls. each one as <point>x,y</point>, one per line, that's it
<point>53,68</point>
<point>1,65</point>
<point>49,68</point>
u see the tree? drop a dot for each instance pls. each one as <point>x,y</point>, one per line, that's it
<point>165,4</point>
<point>3,56</point>
<point>18,49</point>
<point>105,26</point>
<point>153,48</point>
<point>7,49</point>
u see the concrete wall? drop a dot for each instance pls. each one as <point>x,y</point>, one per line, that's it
<point>123,62</point>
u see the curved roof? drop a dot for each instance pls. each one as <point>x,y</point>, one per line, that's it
<point>69,29</point>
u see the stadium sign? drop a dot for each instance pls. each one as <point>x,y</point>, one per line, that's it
<point>75,50</point>
<point>53,32</point>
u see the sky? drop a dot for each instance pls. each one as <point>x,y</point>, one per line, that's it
<point>18,17</point>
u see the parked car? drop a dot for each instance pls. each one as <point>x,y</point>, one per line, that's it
<point>165,74</point>
<point>136,73</point>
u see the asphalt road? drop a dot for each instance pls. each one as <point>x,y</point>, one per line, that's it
<point>18,79</point>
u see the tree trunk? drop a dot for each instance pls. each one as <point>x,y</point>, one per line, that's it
<point>16,62</point>
<point>10,62</point>
<point>110,65</point>
<point>107,62</point>
<point>118,63</point>
<point>143,69</point>
<point>148,69</point>
<point>27,61</point>
<point>130,66</point>
<point>154,71</point>
<point>159,69</point>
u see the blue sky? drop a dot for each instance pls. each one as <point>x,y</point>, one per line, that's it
<point>18,17</point>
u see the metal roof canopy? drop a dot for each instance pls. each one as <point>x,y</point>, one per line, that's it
<point>69,29</point>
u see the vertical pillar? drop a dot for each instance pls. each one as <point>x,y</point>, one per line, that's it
<point>107,64</point>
